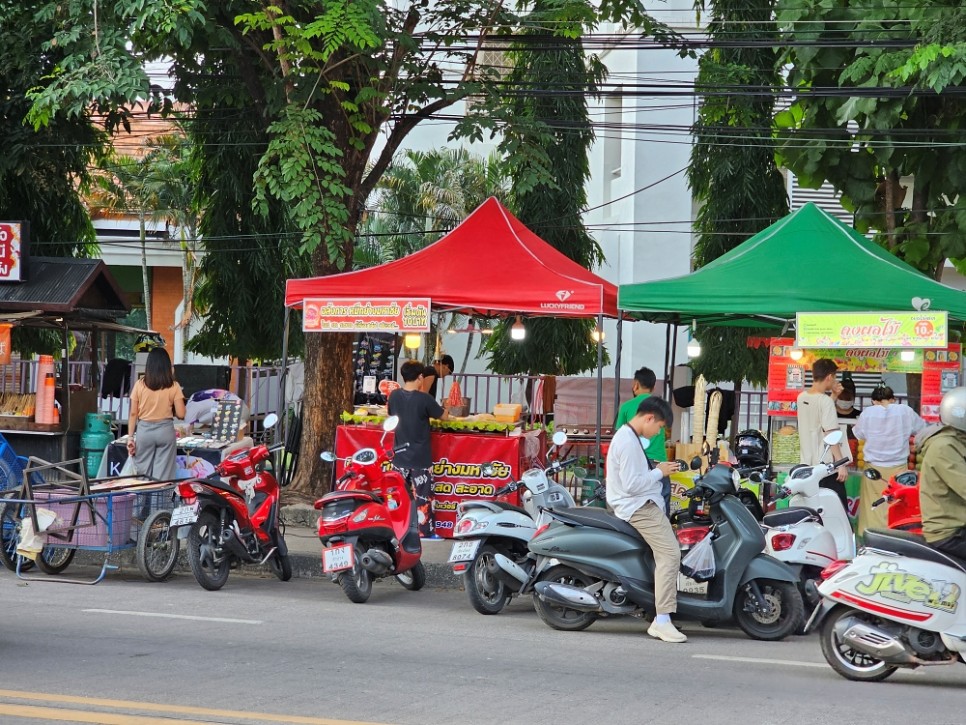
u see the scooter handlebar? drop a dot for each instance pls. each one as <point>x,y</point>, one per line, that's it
<point>562,464</point>
<point>840,462</point>
<point>878,502</point>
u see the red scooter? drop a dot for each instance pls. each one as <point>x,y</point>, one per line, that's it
<point>902,495</point>
<point>368,524</point>
<point>234,518</point>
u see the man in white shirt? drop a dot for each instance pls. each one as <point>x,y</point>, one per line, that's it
<point>885,427</point>
<point>816,419</point>
<point>634,492</point>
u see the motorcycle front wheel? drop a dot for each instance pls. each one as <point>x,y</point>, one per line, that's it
<point>356,582</point>
<point>556,615</point>
<point>487,592</point>
<point>785,615</point>
<point>209,564</point>
<point>850,663</point>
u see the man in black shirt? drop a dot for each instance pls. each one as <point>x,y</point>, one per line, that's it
<point>415,408</point>
<point>439,369</point>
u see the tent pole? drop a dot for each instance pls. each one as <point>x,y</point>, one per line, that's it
<point>600,382</point>
<point>617,363</point>
<point>667,362</point>
<point>284,375</point>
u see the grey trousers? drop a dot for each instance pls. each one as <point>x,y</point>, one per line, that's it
<point>155,449</point>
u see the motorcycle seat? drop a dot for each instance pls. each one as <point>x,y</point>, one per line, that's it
<point>354,493</point>
<point>499,504</point>
<point>596,518</point>
<point>789,516</point>
<point>906,544</point>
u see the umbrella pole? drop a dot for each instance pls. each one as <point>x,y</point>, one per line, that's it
<point>617,363</point>
<point>600,382</point>
<point>284,375</point>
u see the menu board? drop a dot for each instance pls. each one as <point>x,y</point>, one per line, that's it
<point>227,420</point>
<point>373,361</point>
<point>941,372</point>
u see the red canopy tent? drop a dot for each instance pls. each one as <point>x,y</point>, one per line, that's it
<point>490,265</point>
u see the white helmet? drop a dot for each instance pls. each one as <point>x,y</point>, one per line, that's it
<point>952,411</point>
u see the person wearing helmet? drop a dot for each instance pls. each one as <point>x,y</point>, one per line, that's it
<point>942,483</point>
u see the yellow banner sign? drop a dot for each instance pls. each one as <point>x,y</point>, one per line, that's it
<point>871,329</point>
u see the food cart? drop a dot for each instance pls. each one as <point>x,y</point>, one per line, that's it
<point>398,297</point>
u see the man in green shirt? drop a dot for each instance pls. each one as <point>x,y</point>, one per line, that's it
<point>641,387</point>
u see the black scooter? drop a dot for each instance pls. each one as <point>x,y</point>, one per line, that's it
<point>592,564</point>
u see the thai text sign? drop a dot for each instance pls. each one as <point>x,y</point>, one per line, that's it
<point>11,252</point>
<point>871,329</point>
<point>374,314</point>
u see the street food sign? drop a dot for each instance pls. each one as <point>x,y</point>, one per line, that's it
<point>13,239</point>
<point>871,329</point>
<point>365,314</point>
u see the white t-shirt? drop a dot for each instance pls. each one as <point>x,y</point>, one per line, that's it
<point>631,482</point>
<point>816,419</point>
<point>886,430</point>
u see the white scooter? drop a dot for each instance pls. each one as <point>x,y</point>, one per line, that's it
<point>814,531</point>
<point>489,529</point>
<point>898,604</point>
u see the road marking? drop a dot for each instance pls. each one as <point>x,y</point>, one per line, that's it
<point>162,615</point>
<point>107,718</point>
<point>756,660</point>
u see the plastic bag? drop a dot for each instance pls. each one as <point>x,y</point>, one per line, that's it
<point>698,563</point>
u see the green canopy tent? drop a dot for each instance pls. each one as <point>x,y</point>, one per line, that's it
<point>808,261</point>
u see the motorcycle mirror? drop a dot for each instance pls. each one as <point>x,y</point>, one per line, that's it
<point>833,438</point>
<point>755,477</point>
<point>327,456</point>
<point>559,438</point>
<point>682,465</point>
<point>696,463</point>
<point>391,423</point>
<point>872,474</point>
<point>270,421</point>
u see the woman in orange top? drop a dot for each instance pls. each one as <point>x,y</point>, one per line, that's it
<point>155,401</point>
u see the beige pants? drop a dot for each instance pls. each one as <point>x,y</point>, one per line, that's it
<point>654,526</point>
<point>871,491</point>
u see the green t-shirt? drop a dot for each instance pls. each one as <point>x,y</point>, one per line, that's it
<point>656,451</point>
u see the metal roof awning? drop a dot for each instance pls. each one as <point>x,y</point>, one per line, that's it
<point>66,286</point>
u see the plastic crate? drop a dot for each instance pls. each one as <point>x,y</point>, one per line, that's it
<point>89,533</point>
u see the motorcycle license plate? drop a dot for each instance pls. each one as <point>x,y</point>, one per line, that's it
<point>337,558</point>
<point>463,551</point>
<point>689,586</point>
<point>184,515</point>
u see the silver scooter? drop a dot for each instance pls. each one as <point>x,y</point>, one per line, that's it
<point>592,564</point>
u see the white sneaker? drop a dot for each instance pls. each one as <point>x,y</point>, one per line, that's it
<point>666,631</point>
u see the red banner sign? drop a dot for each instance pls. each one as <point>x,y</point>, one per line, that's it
<point>11,252</point>
<point>940,373</point>
<point>5,343</point>
<point>458,466</point>
<point>374,314</point>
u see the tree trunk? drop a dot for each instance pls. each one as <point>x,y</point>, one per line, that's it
<point>328,392</point>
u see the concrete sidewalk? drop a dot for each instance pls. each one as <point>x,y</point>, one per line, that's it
<point>305,551</point>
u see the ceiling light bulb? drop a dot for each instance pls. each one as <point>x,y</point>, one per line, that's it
<point>517,330</point>
<point>907,355</point>
<point>597,335</point>
<point>411,340</point>
<point>796,353</point>
<point>694,348</point>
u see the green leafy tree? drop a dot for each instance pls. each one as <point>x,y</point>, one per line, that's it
<point>549,175</point>
<point>328,79</point>
<point>41,171</point>
<point>872,116</point>
<point>732,173</point>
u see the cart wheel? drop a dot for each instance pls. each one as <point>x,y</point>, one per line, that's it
<point>10,516</point>
<point>157,550</point>
<point>54,559</point>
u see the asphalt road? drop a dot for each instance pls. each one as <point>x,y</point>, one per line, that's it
<point>128,652</point>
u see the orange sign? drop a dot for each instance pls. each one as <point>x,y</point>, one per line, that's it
<point>11,251</point>
<point>374,314</point>
<point>5,343</point>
